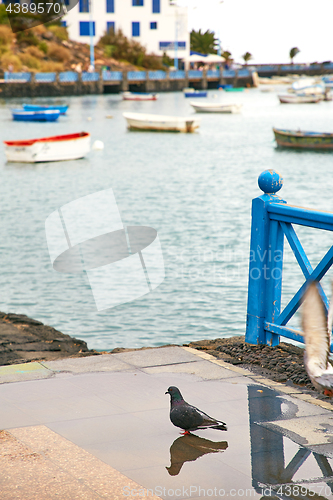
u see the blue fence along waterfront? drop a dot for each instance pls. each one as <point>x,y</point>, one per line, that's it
<point>90,77</point>
<point>136,76</point>
<point>272,220</point>
<point>112,76</point>
<point>17,77</point>
<point>68,76</point>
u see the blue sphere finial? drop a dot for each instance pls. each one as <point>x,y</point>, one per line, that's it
<point>270,181</point>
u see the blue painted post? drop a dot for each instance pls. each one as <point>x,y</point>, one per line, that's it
<point>266,260</point>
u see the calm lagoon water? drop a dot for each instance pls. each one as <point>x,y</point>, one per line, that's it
<point>194,189</point>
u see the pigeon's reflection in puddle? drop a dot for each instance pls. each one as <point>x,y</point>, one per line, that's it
<point>190,447</point>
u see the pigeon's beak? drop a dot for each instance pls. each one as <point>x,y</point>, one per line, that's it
<point>167,392</point>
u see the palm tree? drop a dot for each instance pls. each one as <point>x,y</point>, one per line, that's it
<point>205,43</point>
<point>247,56</point>
<point>293,52</point>
<point>227,56</point>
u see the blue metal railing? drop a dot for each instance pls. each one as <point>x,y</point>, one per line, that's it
<point>213,73</point>
<point>90,77</point>
<point>112,76</point>
<point>156,75</point>
<point>194,73</point>
<point>68,76</point>
<point>272,220</point>
<point>136,75</point>
<point>243,73</point>
<point>177,75</point>
<point>17,77</point>
<point>45,77</point>
<point>229,73</point>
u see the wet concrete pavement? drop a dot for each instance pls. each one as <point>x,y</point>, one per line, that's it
<point>98,427</point>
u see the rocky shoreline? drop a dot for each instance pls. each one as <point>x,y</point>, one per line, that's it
<point>23,339</point>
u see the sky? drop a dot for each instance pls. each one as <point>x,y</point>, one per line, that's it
<point>268,29</point>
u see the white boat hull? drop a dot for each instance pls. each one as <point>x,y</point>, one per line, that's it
<point>128,96</point>
<point>141,121</point>
<point>216,108</point>
<point>297,99</point>
<point>45,151</point>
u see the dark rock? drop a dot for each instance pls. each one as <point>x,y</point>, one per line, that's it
<point>23,339</point>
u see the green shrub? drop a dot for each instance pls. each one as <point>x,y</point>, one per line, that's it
<point>26,37</point>
<point>30,61</point>
<point>10,58</point>
<point>3,14</point>
<point>35,52</point>
<point>109,50</point>
<point>59,31</point>
<point>58,53</point>
<point>50,66</point>
<point>6,35</point>
<point>43,47</point>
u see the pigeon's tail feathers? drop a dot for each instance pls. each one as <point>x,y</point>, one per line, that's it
<point>314,325</point>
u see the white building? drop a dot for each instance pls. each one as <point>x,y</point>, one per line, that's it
<point>159,25</point>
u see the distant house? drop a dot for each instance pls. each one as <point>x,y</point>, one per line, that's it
<point>159,25</point>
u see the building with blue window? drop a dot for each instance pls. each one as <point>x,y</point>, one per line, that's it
<point>157,24</point>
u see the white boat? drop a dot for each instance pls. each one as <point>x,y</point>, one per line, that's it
<point>139,96</point>
<point>299,98</point>
<point>55,148</point>
<point>142,121</point>
<point>216,107</point>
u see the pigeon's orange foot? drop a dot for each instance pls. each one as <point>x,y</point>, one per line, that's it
<point>185,432</point>
<point>328,392</point>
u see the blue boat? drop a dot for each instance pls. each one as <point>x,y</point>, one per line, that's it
<point>196,93</point>
<point>37,107</point>
<point>48,115</point>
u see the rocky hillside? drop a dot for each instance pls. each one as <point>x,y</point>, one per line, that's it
<point>47,48</point>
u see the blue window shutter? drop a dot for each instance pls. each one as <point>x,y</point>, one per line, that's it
<point>135,29</point>
<point>63,23</point>
<point>153,26</point>
<point>84,28</point>
<point>110,6</point>
<point>156,6</point>
<point>110,26</point>
<point>137,3</point>
<point>84,5</point>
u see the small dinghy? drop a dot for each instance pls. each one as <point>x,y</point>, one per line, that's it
<point>36,107</point>
<point>139,96</point>
<point>160,123</point>
<point>55,148</point>
<point>48,115</point>
<point>216,108</point>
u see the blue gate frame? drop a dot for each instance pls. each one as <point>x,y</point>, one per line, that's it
<point>272,220</point>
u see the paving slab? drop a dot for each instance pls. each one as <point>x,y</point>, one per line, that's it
<point>101,363</point>
<point>156,357</point>
<point>24,371</point>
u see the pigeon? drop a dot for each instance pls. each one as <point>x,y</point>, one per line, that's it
<point>189,418</point>
<point>317,334</point>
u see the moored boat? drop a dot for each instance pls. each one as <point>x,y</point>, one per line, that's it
<point>49,115</point>
<point>303,139</point>
<point>299,98</point>
<point>195,93</point>
<point>55,148</point>
<point>139,96</point>
<point>216,108</point>
<point>36,107</point>
<point>142,121</point>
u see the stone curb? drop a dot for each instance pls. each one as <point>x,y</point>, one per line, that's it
<point>297,393</point>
